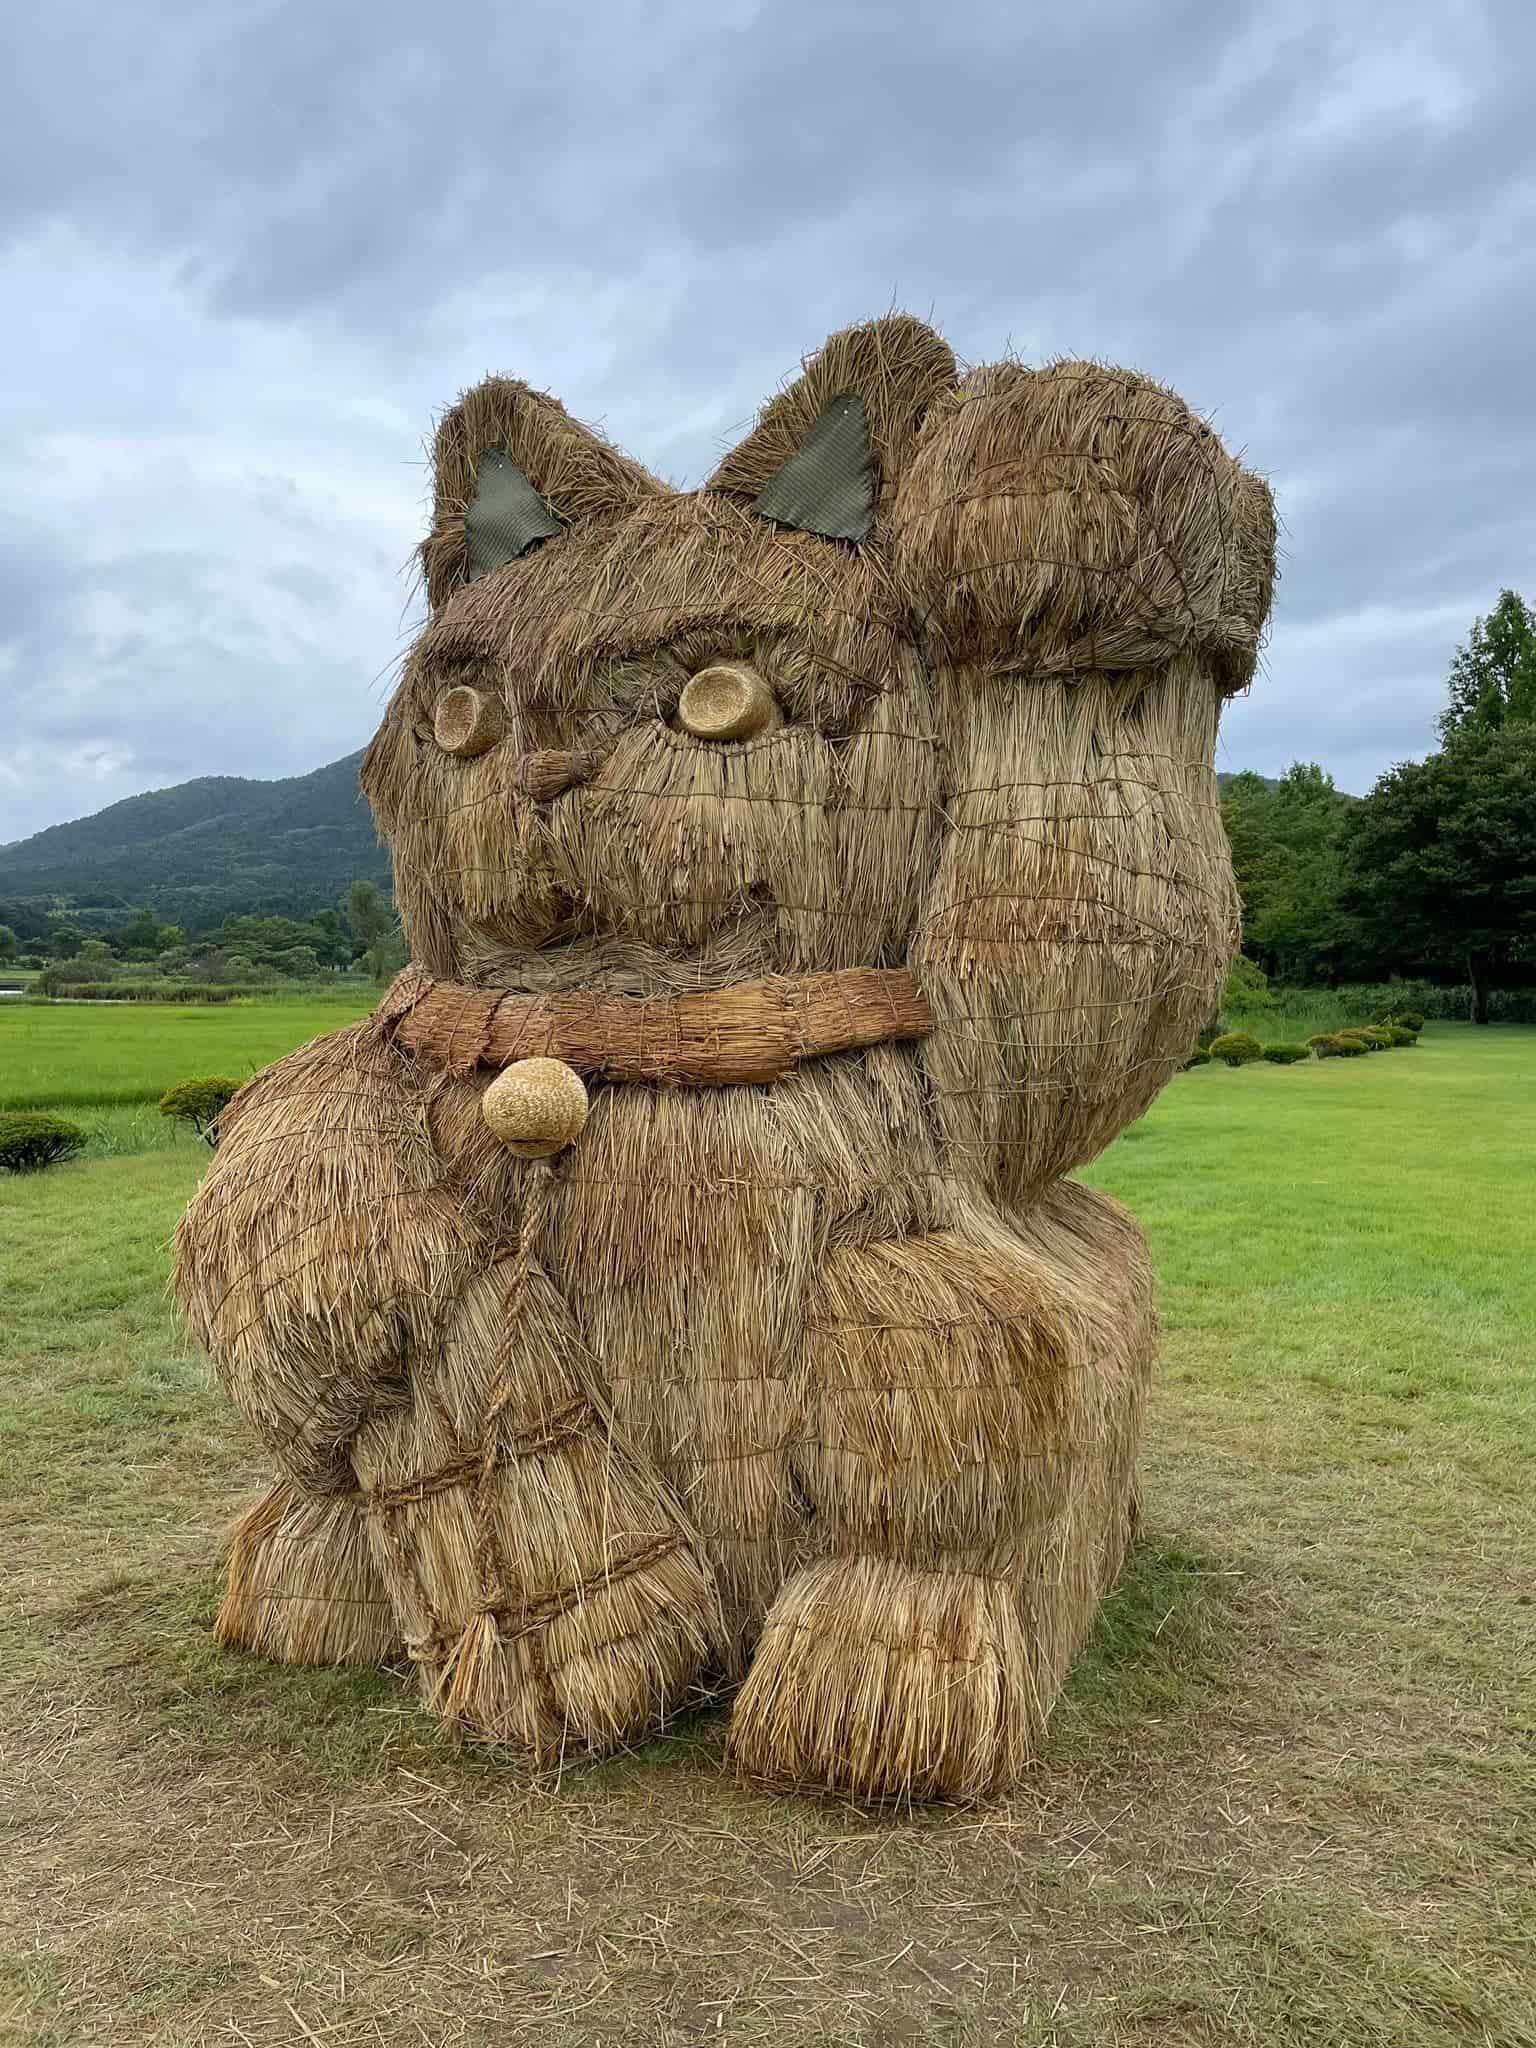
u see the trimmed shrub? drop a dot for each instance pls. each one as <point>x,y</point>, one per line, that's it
<point>1236,1048</point>
<point>29,1141</point>
<point>1198,1058</point>
<point>1348,1047</point>
<point>1286,1055</point>
<point>1324,1047</point>
<point>1387,1015</point>
<point>1376,1036</point>
<point>1320,1038</point>
<point>200,1103</point>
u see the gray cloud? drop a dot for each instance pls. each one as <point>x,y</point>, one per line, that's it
<point>247,251</point>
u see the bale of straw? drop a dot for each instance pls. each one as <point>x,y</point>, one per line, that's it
<point>1082,912</point>
<point>536,1107</point>
<point>802,1369</point>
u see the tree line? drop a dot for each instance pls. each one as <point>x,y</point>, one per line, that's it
<point>1431,875</point>
<point>361,933</point>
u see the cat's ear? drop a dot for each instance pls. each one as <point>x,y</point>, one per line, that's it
<point>827,454</point>
<point>511,471</point>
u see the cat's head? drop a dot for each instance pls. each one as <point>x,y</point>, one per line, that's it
<point>698,730</point>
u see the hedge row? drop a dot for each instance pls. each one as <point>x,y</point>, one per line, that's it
<point>1241,1048</point>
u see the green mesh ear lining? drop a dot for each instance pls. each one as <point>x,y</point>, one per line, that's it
<point>828,485</point>
<point>507,516</point>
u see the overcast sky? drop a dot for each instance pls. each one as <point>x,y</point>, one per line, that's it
<point>248,250</point>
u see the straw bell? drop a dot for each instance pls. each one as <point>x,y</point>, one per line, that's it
<point>536,1107</point>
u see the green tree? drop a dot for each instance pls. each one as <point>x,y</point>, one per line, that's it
<point>1286,843</point>
<point>142,933</point>
<point>376,927</point>
<point>331,938</point>
<point>1245,806</point>
<point>1442,858</point>
<point>1493,678</point>
<point>101,958</point>
<point>7,943</point>
<point>28,921</point>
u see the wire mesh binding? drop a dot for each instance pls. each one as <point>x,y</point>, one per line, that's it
<point>804,1370</point>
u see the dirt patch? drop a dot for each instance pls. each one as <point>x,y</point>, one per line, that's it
<point>204,1848</point>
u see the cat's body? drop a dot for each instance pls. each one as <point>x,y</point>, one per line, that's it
<point>829,1384</point>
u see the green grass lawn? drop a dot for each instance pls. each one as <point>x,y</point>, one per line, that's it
<point>69,1056</point>
<point>1357,1230</point>
<point>1288,1801</point>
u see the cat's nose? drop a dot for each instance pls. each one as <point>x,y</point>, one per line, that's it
<point>551,771</point>
<point>727,701</point>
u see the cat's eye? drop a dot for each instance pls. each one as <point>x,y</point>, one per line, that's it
<point>727,701</point>
<point>467,722</point>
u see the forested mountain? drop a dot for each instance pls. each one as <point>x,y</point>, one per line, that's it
<point>196,852</point>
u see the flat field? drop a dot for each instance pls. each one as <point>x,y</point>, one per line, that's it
<point>1289,1800</point>
<point>70,1056</point>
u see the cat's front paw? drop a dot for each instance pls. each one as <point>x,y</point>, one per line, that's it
<point>890,1682</point>
<point>595,1667</point>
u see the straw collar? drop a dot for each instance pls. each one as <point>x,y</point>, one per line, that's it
<point>708,1038</point>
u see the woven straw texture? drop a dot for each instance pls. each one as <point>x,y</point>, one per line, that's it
<point>804,1372</point>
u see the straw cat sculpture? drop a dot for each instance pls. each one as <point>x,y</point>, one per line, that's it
<point>676,1281</point>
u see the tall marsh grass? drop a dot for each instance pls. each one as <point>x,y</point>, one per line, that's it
<point>112,1132</point>
<point>1293,1015</point>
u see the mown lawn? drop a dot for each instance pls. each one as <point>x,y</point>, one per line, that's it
<point>1288,1802</point>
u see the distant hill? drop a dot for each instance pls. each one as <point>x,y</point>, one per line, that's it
<point>196,852</point>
